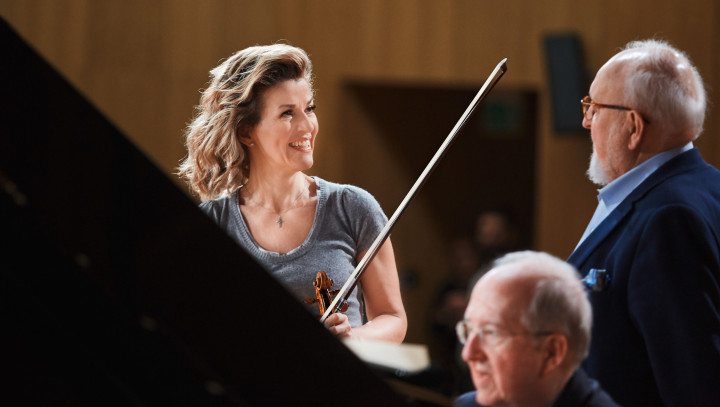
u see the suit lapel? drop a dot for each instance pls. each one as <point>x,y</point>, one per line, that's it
<point>580,254</point>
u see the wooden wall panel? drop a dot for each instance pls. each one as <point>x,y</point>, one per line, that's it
<point>143,63</point>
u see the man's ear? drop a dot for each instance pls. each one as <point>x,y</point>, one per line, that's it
<point>637,128</point>
<point>554,348</point>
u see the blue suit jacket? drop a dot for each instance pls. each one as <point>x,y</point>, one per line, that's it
<point>656,328</point>
<point>579,391</point>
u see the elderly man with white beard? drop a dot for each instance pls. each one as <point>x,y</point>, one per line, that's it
<point>651,252</point>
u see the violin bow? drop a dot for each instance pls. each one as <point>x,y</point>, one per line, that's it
<point>354,278</point>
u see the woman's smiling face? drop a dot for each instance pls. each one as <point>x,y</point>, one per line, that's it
<point>284,139</point>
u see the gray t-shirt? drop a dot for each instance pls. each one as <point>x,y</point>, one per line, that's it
<point>347,221</point>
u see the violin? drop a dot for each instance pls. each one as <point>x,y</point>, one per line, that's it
<point>323,294</point>
<point>339,303</point>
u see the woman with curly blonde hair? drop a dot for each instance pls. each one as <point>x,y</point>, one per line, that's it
<point>249,144</point>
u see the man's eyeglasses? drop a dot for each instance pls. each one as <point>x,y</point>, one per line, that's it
<point>487,336</point>
<point>587,103</point>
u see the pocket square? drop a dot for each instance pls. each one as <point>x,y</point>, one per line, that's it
<point>597,279</point>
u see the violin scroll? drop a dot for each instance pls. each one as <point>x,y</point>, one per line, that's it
<point>323,293</point>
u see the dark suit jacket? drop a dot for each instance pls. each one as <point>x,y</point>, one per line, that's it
<point>580,391</point>
<point>656,328</point>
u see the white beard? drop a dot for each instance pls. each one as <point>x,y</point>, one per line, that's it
<point>596,172</point>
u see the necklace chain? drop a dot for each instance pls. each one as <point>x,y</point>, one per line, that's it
<point>279,221</point>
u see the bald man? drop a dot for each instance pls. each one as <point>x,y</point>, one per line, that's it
<point>526,330</point>
<point>651,252</point>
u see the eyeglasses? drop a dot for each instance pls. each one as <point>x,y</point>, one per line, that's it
<point>587,102</point>
<point>588,113</point>
<point>488,336</point>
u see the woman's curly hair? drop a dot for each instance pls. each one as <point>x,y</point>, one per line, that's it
<point>217,162</point>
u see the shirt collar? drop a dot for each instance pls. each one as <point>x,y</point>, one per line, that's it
<point>614,192</point>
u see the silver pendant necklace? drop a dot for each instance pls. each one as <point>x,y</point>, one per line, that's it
<point>279,221</point>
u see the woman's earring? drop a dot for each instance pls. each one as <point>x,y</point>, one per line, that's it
<point>252,144</point>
